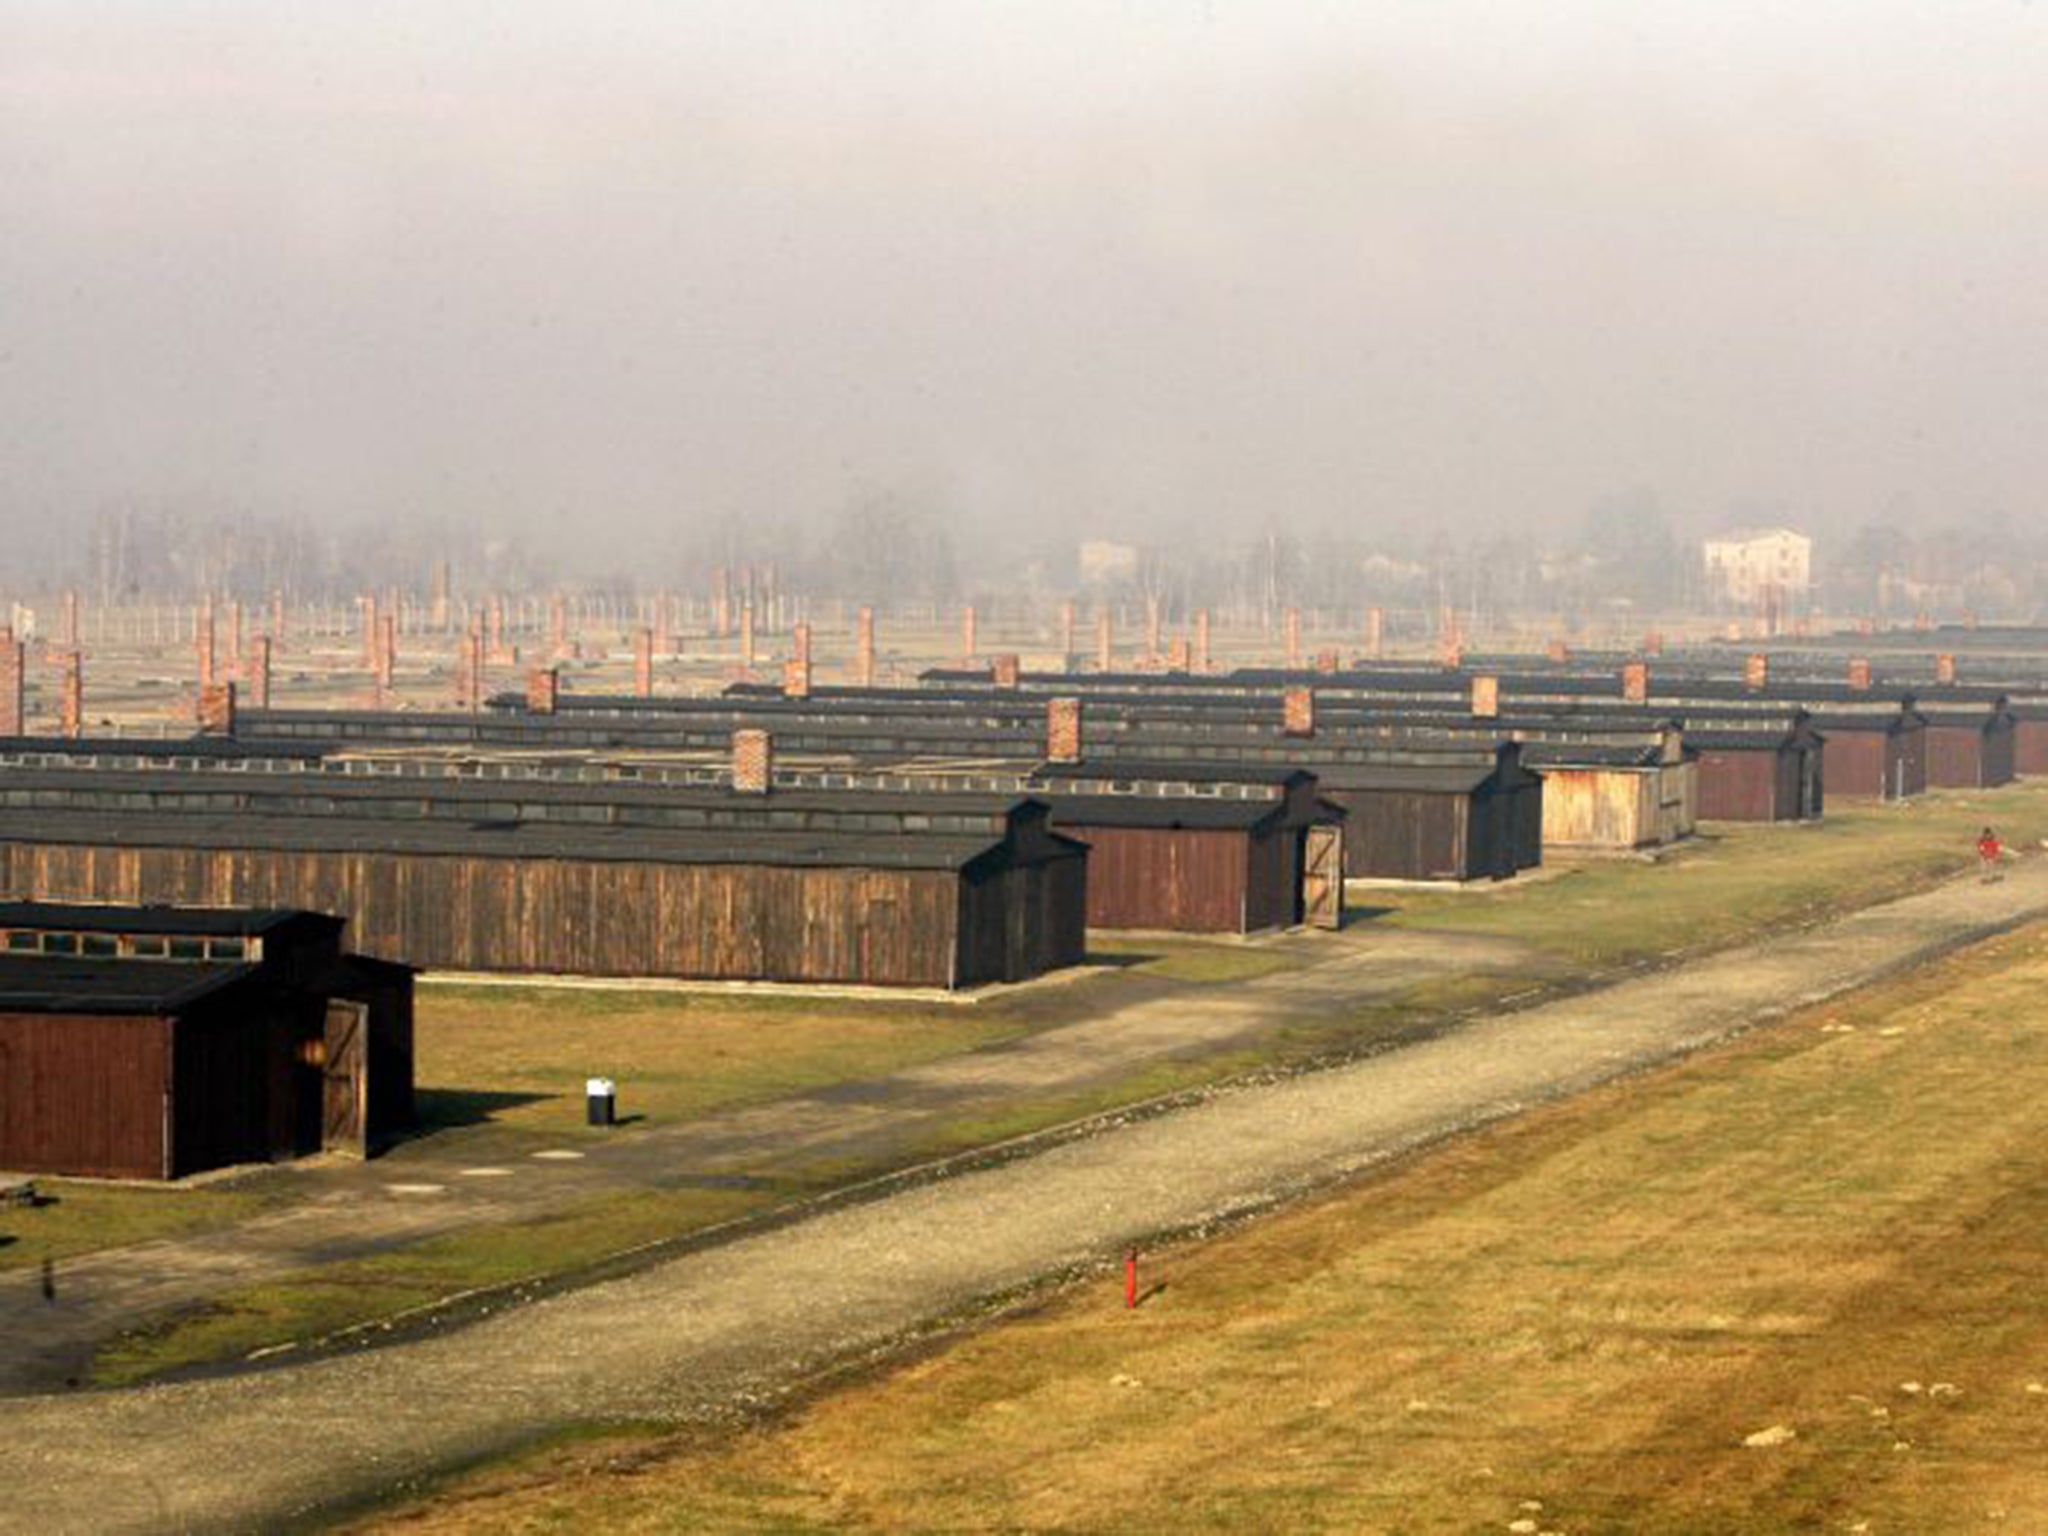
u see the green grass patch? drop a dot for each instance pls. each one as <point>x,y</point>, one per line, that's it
<point>1193,961</point>
<point>80,1217</point>
<point>517,1057</point>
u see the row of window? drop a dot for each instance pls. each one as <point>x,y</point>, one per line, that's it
<point>113,946</point>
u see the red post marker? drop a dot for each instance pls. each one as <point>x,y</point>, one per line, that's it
<point>1131,1279</point>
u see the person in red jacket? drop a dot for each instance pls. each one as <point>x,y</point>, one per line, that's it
<point>1989,851</point>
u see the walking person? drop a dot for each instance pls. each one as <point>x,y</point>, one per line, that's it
<point>1989,852</point>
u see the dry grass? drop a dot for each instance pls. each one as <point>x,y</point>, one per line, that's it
<point>1587,1310</point>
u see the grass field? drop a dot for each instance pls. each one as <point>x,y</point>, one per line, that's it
<point>1794,1284</point>
<point>518,1056</point>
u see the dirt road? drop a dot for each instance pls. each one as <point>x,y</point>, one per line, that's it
<point>742,1320</point>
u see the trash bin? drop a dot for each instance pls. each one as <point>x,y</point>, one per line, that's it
<point>601,1096</point>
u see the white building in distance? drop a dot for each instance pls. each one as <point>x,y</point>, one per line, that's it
<point>1748,565</point>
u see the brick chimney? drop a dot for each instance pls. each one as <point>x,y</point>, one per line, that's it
<point>968,649</point>
<point>1298,711</point>
<point>1945,668</point>
<point>864,648</point>
<point>1328,662</point>
<point>1201,656</point>
<point>369,610</point>
<point>664,624</point>
<point>1292,622</point>
<point>1653,643</point>
<point>203,645</point>
<point>1005,670</point>
<point>1375,632</point>
<point>234,645</point>
<point>13,684</point>
<point>1635,683</point>
<point>1451,653</point>
<point>71,697</point>
<point>1063,730</point>
<point>437,596</point>
<point>1756,672</point>
<point>753,762</point>
<point>494,629</point>
<point>800,641</point>
<point>217,710</point>
<point>1103,642</point>
<point>257,672</point>
<point>67,627</point>
<point>1558,651</point>
<point>543,690</point>
<point>1859,672</point>
<point>1182,656</point>
<point>387,654</point>
<point>643,662</point>
<point>277,619</point>
<point>558,626</point>
<point>1486,697</point>
<point>746,634</point>
<point>796,678</point>
<point>469,669</point>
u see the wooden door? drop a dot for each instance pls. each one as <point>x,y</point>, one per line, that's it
<point>1322,877</point>
<point>344,1118</point>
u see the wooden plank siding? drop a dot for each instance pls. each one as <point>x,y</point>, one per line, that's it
<point>1970,756</point>
<point>563,916</point>
<point>84,1094</point>
<point>1177,879</point>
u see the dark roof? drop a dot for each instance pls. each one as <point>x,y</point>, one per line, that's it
<point>495,839</point>
<point>1204,813</point>
<point>1276,775</point>
<point>96,917</point>
<point>74,984</point>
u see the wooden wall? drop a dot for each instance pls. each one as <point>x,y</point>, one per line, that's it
<point>1409,835</point>
<point>1970,757</point>
<point>1023,920</point>
<point>1170,878</point>
<point>711,921</point>
<point>83,1094</point>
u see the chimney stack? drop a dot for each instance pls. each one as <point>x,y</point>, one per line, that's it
<point>257,672</point>
<point>1328,662</point>
<point>1859,673</point>
<point>664,624</point>
<point>1635,683</point>
<point>746,634</point>
<point>1653,643</point>
<point>1756,672</point>
<point>796,678</point>
<point>1063,730</point>
<point>203,644</point>
<point>437,597</point>
<point>1103,638</point>
<point>217,710</point>
<point>1298,711</point>
<point>71,697</point>
<point>1201,656</point>
<point>753,762</point>
<point>67,630</point>
<point>1945,669</point>
<point>643,663</point>
<point>469,673</point>
<point>1375,632</point>
<point>494,629</point>
<point>543,690</point>
<point>1558,651</point>
<point>370,630</point>
<point>13,684</point>
<point>558,627</point>
<point>864,648</point>
<point>967,637</point>
<point>1486,697</point>
<point>234,645</point>
<point>1293,631</point>
<point>1006,671</point>
<point>277,619</point>
<point>1182,657</point>
<point>387,654</point>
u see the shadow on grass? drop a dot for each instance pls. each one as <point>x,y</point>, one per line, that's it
<point>447,1109</point>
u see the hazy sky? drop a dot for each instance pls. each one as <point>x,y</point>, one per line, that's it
<point>587,268</point>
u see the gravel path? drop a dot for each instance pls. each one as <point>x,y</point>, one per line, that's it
<point>758,1314</point>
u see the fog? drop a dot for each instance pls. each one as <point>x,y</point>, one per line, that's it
<point>607,279</point>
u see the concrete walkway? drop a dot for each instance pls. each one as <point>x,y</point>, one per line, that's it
<point>758,1314</point>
